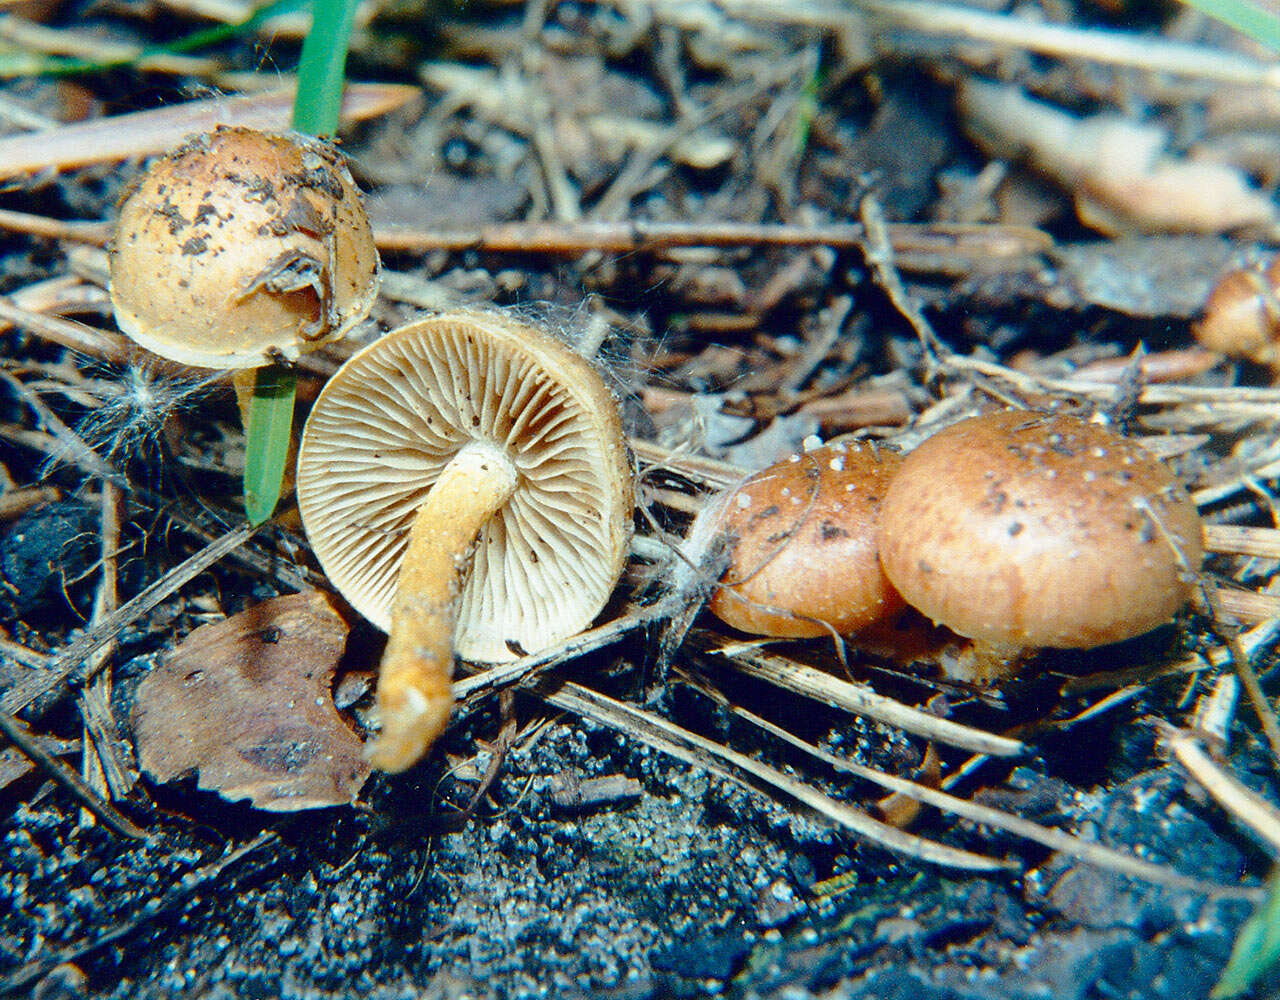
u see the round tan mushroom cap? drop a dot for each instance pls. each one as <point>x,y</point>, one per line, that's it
<point>1241,317</point>
<point>1039,531</point>
<point>241,246</point>
<point>390,420</point>
<point>804,544</point>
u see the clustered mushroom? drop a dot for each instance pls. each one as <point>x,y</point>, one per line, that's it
<point>804,559</point>
<point>465,484</point>
<point>1016,530</point>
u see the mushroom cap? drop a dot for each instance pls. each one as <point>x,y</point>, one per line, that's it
<point>389,421</point>
<point>804,534</point>
<point>1241,317</point>
<point>1031,530</point>
<point>241,245</point>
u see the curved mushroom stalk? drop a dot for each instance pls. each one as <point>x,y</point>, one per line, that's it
<point>414,692</point>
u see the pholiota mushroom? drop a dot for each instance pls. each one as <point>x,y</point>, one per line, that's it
<point>803,535</point>
<point>465,484</point>
<point>1241,317</point>
<point>238,250</point>
<point>1021,531</point>
<point>241,248</point>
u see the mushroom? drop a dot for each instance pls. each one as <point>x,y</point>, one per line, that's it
<point>1241,317</point>
<point>240,248</point>
<point>465,484</point>
<point>803,544</point>
<point>1021,530</point>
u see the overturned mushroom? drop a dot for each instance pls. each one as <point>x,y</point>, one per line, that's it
<point>803,536</point>
<point>465,484</point>
<point>1021,530</point>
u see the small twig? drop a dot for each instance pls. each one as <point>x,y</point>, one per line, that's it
<point>560,189</point>
<point>967,23</point>
<point>1241,802</point>
<point>1216,710</point>
<point>504,675</point>
<point>1263,400</point>
<point>569,790</point>
<point>100,761</point>
<point>993,243</point>
<point>880,255</point>
<point>68,779</point>
<point>1105,704</point>
<point>709,472</point>
<point>79,337</point>
<point>860,700</point>
<point>94,233</point>
<point>1242,541</point>
<point>498,751</point>
<point>1246,606</point>
<point>1246,480</point>
<point>1244,670</point>
<point>1117,48</point>
<point>142,133</point>
<point>68,664</point>
<point>29,36</point>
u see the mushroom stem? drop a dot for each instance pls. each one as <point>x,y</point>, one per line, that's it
<point>414,679</point>
<point>242,380</point>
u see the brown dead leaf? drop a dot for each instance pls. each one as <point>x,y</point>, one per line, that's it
<point>246,704</point>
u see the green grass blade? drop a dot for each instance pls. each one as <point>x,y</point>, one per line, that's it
<point>267,440</point>
<point>320,70</point>
<point>223,32</point>
<point>34,64</point>
<point>1257,946</point>
<point>316,107</point>
<point>1248,18</point>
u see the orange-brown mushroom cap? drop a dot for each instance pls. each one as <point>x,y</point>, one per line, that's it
<point>1039,531</point>
<point>1241,317</point>
<point>804,544</point>
<point>242,246</point>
